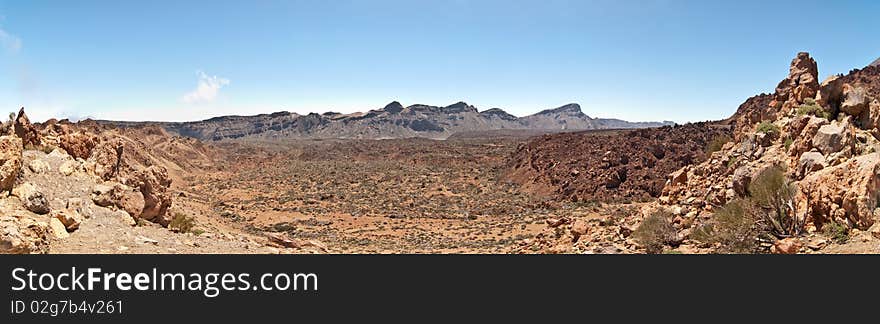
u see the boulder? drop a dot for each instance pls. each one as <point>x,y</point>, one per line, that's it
<point>78,145</point>
<point>58,229</point>
<point>10,161</point>
<point>23,235</point>
<point>108,158</point>
<point>32,198</point>
<point>153,183</point>
<point>70,219</point>
<point>803,131</point>
<point>68,168</point>
<point>811,161</point>
<point>120,196</point>
<point>786,246</point>
<point>742,177</point>
<point>38,166</point>
<point>833,137</point>
<point>845,193</point>
<point>854,101</point>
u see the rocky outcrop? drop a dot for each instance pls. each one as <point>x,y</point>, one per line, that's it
<point>846,193</point>
<point>802,83</point>
<point>10,161</point>
<point>25,130</point>
<point>153,183</point>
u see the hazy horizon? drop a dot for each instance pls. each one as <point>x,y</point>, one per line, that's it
<point>682,61</point>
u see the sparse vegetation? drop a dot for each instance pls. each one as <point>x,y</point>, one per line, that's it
<point>788,142</point>
<point>767,127</point>
<point>838,233</point>
<point>182,223</point>
<point>774,194</point>
<point>655,232</point>
<point>734,228</point>
<point>810,107</point>
<point>717,143</point>
<point>768,211</point>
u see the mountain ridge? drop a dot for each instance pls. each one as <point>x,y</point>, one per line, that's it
<point>391,121</point>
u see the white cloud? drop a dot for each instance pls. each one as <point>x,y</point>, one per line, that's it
<point>206,90</point>
<point>9,41</point>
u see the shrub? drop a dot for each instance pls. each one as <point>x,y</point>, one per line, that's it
<point>717,143</point>
<point>810,107</point>
<point>767,128</point>
<point>182,223</point>
<point>734,227</point>
<point>837,232</point>
<point>774,194</point>
<point>788,142</point>
<point>655,232</point>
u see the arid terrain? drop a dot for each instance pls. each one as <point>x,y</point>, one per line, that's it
<point>795,171</point>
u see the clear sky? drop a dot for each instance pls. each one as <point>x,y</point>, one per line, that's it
<point>636,60</point>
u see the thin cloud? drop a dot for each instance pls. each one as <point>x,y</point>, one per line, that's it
<point>9,41</point>
<point>207,88</point>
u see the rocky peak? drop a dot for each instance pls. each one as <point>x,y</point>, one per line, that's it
<point>499,113</point>
<point>875,63</point>
<point>393,107</point>
<point>459,107</point>
<point>569,108</point>
<point>802,83</point>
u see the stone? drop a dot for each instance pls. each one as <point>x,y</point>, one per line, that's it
<point>811,161</point>
<point>832,138</point>
<point>58,229</point>
<point>579,227</point>
<point>79,206</point>
<point>854,100</point>
<point>742,177</point>
<point>145,240</point>
<point>32,198</point>
<point>124,217</point>
<point>78,145</point>
<point>845,193</point>
<point>38,166</point>
<point>23,235</point>
<point>786,246</point>
<point>10,161</point>
<point>71,220</point>
<point>679,177</point>
<point>68,167</point>
<point>153,183</point>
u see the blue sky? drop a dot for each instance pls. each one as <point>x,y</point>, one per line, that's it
<point>636,60</point>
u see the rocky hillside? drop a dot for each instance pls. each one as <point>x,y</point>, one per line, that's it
<point>57,175</point>
<point>802,174</point>
<point>392,121</point>
<point>609,166</point>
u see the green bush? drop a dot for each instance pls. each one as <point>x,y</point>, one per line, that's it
<point>837,232</point>
<point>655,232</point>
<point>810,107</point>
<point>774,194</point>
<point>182,223</point>
<point>717,143</point>
<point>767,128</point>
<point>788,142</point>
<point>734,228</point>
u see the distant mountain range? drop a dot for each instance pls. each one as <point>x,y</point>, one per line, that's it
<point>392,121</point>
